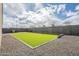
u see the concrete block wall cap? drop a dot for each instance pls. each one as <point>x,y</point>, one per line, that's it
<point>60,35</point>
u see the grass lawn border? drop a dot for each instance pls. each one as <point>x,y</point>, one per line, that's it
<point>30,45</point>
<point>22,41</point>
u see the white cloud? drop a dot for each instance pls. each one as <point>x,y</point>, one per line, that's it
<point>70,13</point>
<point>46,11</point>
<point>72,20</point>
<point>14,9</point>
<point>38,6</point>
<point>43,16</point>
<point>54,7</point>
<point>9,22</point>
<point>29,19</point>
<point>61,7</point>
<point>77,7</point>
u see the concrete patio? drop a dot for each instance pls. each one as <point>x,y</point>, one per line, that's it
<point>65,46</point>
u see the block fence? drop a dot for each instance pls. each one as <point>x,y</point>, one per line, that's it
<point>67,30</point>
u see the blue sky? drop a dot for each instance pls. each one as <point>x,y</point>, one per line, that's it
<point>68,7</point>
<point>30,7</point>
<point>58,11</point>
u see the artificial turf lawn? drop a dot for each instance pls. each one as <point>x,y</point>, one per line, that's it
<point>34,39</point>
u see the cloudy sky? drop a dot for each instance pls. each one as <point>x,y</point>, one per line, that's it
<point>40,14</point>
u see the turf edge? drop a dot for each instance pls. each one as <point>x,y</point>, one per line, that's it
<point>31,46</point>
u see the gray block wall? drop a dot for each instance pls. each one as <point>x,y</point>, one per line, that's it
<point>67,30</point>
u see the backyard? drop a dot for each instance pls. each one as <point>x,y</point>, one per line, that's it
<point>44,29</point>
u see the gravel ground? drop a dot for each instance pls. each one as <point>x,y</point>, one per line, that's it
<point>65,46</point>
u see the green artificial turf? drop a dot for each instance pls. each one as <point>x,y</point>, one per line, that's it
<point>34,39</point>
